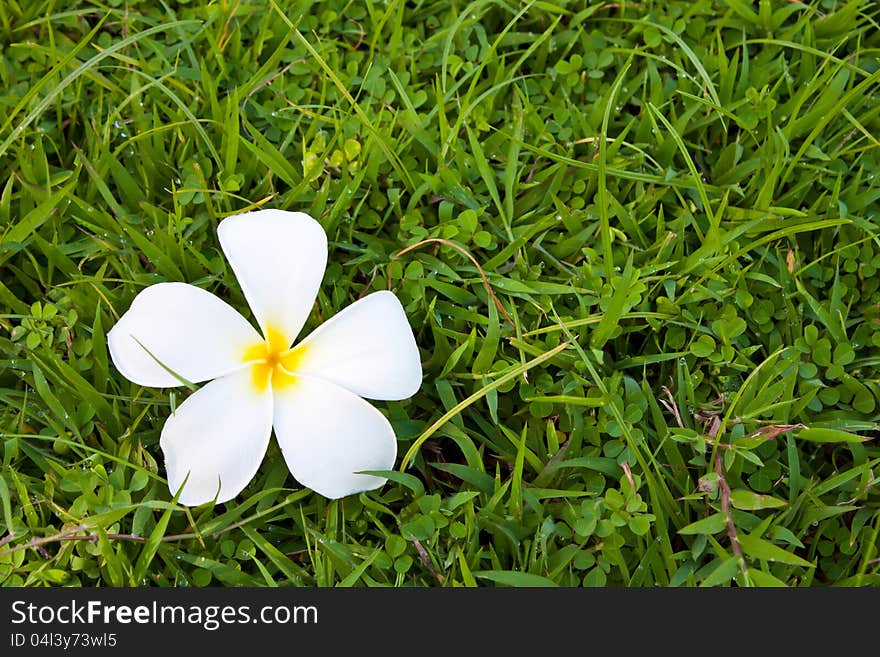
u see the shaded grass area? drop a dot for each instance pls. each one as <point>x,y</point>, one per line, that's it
<point>675,203</point>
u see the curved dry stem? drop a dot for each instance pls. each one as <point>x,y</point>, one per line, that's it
<point>470,257</point>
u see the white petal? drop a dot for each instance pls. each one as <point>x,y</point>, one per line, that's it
<point>367,348</point>
<point>327,433</point>
<point>217,438</point>
<point>189,330</point>
<point>279,259</point>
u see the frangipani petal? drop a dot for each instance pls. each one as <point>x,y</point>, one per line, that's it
<point>190,331</point>
<point>279,259</point>
<point>368,348</point>
<point>327,434</point>
<point>217,438</point>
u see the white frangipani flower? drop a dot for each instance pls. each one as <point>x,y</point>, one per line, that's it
<point>311,393</point>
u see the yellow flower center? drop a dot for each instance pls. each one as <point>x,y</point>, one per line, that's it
<point>271,360</point>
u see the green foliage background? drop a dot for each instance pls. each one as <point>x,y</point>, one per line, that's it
<point>685,193</point>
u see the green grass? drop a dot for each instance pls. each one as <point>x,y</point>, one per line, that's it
<point>676,205</point>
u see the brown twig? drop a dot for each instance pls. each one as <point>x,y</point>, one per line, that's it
<point>532,171</point>
<point>93,537</point>
<point>224,36</point>
<point>467,253</point>
<point>712,425</point>
<point>360,36</point>
<point>75,535</point>
<point>629,475</point>
<point>366,288</point>
<point>426,559</point>
<point>725,509</point>
<point>772,430</point>
<point>671,406</point>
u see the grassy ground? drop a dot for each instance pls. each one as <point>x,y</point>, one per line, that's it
<point>676,204</point>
